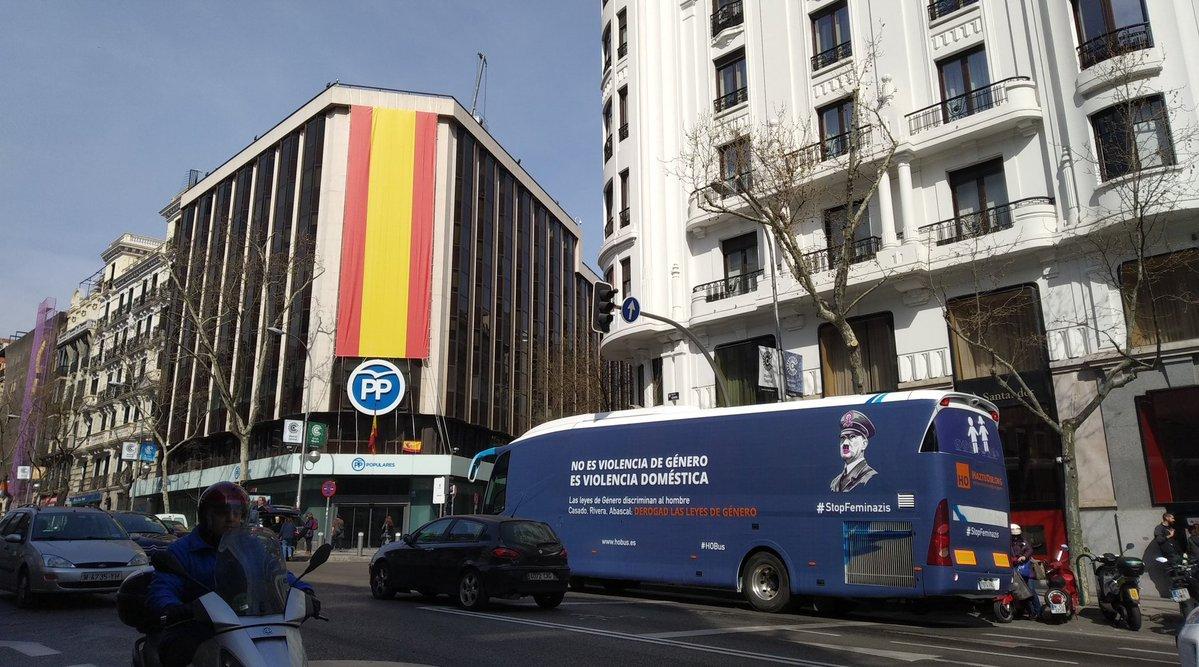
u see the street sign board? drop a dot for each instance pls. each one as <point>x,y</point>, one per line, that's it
<point>329,488</point>
<point>438,490</point>
<point>376,387</point>
<point>672,396</point>
<point>630,309</point>
<point>24,472</point>
<point>129,451</point>
<point>148,452</point>
<point>318,434</point>
<point>293,430</point>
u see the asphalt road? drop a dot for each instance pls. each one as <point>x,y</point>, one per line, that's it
<point>652,627</point>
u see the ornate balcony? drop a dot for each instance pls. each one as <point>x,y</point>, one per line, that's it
<point>624,217</point>
<point>939,8</point>
<point>1117,42</point>
<point>730,100</point>
<point>608,148</point>
<point>622,50</point>
<point>835,146</point>
<point>831,56</point>
<point>727,16</point>
<point>961,106</point>
<point>623,132</point>
<point>861,251</point>
<point>730,286</point>
<point>979,223</point>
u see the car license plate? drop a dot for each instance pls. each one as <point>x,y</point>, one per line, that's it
<point>1058,608</point>
<point>100,576</point>
<point>541,576</point>
<point>1180,595</point>
<point>1134,594</point>
<point>989,584</point>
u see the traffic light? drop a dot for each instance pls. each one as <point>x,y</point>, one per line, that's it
<point>603,299</point>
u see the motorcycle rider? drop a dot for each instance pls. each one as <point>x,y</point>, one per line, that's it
<point>222,509</point>
<point>1021,553</point>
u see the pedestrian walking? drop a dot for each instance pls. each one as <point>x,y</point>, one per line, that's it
<point>1193,543</point>
<point>257,514</point>
<point>338,532</point>
<point>389,530</point>
<point>287,533</point>
<point>310,527</point>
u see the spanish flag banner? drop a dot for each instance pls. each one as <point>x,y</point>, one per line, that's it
<point>387,239</point>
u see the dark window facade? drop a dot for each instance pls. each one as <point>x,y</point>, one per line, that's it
<point>1169,421</point>
<point>626,278</point>
<point>736,166</point>
<point>980,199</point>
<point>965,82</point>
<point>836,128</point>
<point>830,34</point>
<point>739,364</point>
<point>1108,28</point>
<point>732,85</point>
<point>1161,300</point>
<point>876,339</point>
<point>1132,136</point>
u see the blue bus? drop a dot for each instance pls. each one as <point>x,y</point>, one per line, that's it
<point>894,495</point>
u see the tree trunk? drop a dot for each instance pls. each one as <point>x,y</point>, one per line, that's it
<point>244,458</point>
<point>1073,512</point>
<point>162,475</point>
<point>857,370</point>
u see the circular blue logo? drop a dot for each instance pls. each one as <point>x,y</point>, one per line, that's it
<point>358,464</point>
<point>376,387</point>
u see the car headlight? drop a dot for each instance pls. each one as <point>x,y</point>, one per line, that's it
<point>139,559</point>
<point>51,560</point>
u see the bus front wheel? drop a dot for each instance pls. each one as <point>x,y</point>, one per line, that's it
<point>765,583</point>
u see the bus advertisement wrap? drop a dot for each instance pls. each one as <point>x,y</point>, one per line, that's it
<point>854,496</point>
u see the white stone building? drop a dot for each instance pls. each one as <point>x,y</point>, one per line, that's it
<point>991,104</point>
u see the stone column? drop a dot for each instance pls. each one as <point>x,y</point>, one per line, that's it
<point>886,211</point>
<point>907,217</point>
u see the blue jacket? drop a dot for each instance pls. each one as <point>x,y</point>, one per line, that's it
<point>199,559</point>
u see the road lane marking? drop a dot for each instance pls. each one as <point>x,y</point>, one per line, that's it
<point>636,638</point>
<point>991,642</point>
<point>1017,638</point>
<point>990,653</point>
<point>926,635</point>
<point>1145,650</point>
<point>904,656</point>
<point>30,649</point>
<point>1121,637</point>
<point>718,631</point>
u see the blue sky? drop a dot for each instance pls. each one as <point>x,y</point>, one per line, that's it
<point>108,104</point>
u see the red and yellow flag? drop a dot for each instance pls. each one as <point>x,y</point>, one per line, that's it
<point>387,239</point>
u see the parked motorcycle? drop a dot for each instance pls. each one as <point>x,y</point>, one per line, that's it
<point>1057,590</point>
<point>1184,587</point>
<point>254,613</point>
<point>1118,584</point>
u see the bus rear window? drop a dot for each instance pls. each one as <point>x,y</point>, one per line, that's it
<point>930,443</point>
<point>968,432</point>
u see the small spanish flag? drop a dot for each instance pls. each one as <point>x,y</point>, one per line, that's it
<point>370,444</point>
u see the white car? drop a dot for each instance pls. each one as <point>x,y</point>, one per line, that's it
<point>1188,640</point>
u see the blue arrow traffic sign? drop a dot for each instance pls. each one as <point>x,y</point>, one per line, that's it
<point>630,309</point>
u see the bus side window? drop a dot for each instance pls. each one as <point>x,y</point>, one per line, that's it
<point>497,486</point>
<point>930,440</point>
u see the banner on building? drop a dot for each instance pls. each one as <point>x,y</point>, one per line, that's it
<point>385,291</point>
<point>769,363</point>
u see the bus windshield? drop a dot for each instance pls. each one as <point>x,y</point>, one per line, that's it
<point>497,488</point>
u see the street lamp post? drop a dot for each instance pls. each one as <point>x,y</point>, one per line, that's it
<point>303,431</point>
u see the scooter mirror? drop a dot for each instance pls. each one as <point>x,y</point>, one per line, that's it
<point>1130,546</point>
<point>318,558</point>
<point>1161,559</point>
<point>1065,547</point>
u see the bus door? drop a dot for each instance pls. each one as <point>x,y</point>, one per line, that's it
<point>975,508</point>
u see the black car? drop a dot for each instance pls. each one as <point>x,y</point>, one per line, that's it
<point>474,558</point>
<point>146,530</point>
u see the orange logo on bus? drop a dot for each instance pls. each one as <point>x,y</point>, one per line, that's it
<point>963,475</point>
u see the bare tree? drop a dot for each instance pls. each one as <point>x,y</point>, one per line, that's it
<point>1124,237</point>
<point>783,173</point>
<point>224,318</point>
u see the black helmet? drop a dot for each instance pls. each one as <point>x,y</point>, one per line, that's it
<point>222,497</point>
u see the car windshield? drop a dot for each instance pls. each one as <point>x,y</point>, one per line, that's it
<point>527,533</point>
<point>250,575</point>
<point>76,526</point>
<point>140,523</point>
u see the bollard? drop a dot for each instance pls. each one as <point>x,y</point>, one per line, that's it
<point>320,539</point>
<point>360,543</point>
<point>397,537</point>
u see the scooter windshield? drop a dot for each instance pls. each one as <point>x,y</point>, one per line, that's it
<point>250,575</point>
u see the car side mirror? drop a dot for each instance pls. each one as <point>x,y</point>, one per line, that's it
<point>13,538</point>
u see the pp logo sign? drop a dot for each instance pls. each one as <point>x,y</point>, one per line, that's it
<point>376,387</point>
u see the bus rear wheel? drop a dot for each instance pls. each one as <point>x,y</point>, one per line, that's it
<point>765,583</point>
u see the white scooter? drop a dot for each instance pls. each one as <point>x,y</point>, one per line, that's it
<point>253,612</point>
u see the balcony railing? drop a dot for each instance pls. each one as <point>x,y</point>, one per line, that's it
<point>730,100</point>
<point>608,227</point>
<point>730,286</point>
<point>956,108</point>
<point>731,185</point>
<point>835,146</point>
<point>608,148</point>
<point>727,16</point>
<point>861,251</point>
<point>834,55</point>
<point>978,223</point>
<point>623,132</point>
<point>939,8</point>
<point>1117,42</point>
<point>622,50</point>
<point>624,217</point>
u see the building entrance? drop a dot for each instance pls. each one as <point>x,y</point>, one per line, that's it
<point>368,519</point>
